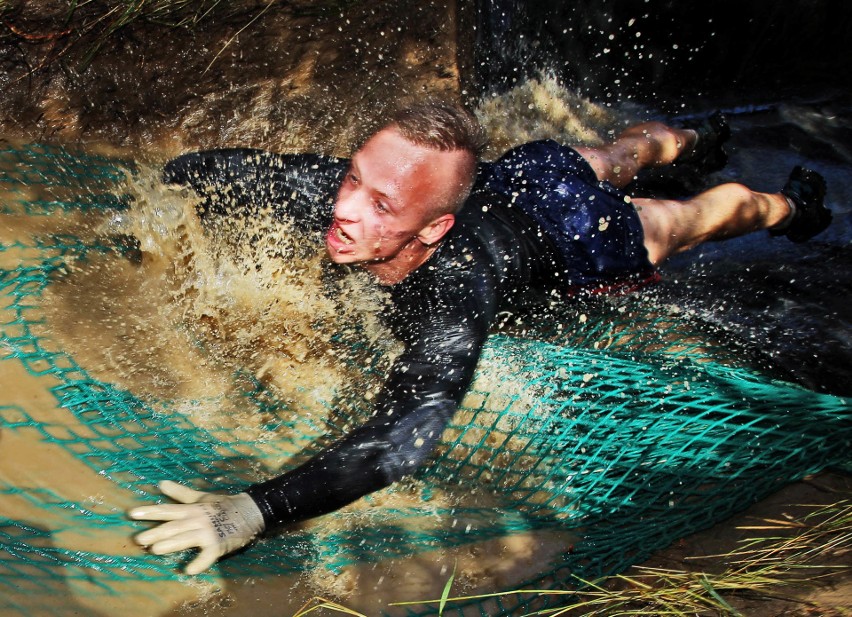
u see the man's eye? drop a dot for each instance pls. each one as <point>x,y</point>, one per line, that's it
<point>353,178</point>
<point>381,207</point>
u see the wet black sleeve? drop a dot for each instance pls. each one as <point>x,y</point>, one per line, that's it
<point>444,321</point>
<point>245,182</point>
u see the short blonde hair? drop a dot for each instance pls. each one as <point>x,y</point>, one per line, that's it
<point>444,126</point>
<point>440,125</point>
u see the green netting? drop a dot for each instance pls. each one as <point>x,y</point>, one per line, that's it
<point>632,429</point>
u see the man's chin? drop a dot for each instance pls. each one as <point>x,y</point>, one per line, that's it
<point>340,258</point>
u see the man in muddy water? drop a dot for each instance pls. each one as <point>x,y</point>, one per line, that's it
<point>544,221</point>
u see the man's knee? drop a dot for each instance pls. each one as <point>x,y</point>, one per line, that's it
<point>610,163</point>
<point>662,236</point>
<point>596,158</point>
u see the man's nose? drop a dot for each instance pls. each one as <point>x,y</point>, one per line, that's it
<point>348,206</point>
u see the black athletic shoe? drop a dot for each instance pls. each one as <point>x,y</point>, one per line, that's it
<point>708,154</point>
<point>806,188</point>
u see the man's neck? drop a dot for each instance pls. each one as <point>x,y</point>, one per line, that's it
<point>394,270</point>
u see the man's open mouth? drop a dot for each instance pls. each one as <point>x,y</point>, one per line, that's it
<point>338,241</point>
<point>341,236</point>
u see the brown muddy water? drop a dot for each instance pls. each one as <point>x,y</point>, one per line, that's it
<point>181,323</point>
<point>199,318</point>
<point>192,310</point>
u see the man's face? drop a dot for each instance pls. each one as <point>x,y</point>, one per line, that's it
<point>386,201</point>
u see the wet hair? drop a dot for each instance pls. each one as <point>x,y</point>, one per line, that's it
<point>447,127</point>
<point>440,125</point>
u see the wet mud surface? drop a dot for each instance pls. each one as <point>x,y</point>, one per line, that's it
<point>303,78</point>
<point>300,75</point>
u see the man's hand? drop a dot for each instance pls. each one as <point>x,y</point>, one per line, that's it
<point>216,524</point>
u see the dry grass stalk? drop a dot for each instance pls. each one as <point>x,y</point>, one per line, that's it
<point>760,568</point>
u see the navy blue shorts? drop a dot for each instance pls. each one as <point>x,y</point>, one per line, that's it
<point>592,224</point>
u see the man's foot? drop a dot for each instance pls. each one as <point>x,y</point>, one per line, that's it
<point>708,154</point>
<point>805,189</point>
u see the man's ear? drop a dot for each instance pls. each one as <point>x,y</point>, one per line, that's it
<point>437,229</point>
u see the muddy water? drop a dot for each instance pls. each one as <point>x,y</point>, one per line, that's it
<point>175,319</point>
<point>189,320</point>
<point>192,322</point>
<point>194,318</point>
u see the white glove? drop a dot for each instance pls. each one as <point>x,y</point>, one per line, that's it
<point>216,524</point>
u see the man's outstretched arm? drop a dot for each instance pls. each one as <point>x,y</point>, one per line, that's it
<point>417,401</point>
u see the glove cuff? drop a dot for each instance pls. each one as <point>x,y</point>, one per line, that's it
<point>250,512</point>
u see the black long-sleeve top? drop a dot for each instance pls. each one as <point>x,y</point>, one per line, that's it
<point>494,260</point>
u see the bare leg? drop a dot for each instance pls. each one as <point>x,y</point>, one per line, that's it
<point>650,144</point>
<point>725,211</point>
